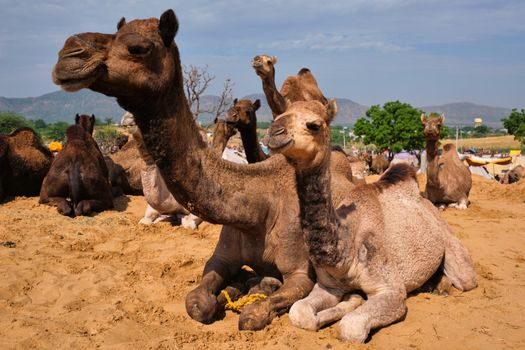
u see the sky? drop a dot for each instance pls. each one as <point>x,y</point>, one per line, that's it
<point>424,52</point>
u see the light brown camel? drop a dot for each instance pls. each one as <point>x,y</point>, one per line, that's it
<point>513,175</point>
<point>377,164</point>
<point>24,162</point>
<point>222,133</point>
<point>77,182</point>
<point>301,87</point>
<point>448,179</point>
<point>256,203</point>
<point>370,243</point>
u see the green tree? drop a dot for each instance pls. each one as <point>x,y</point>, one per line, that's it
<point>395,126</point>
<point>515,124</point>
<point>55,131</point>
<point>40,124</point>
<point>108,120</point>
<point>9,122</point>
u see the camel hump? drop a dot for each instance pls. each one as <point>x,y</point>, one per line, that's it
<point>304,71</point>
<point>395,174</point>
<point>449,147</point>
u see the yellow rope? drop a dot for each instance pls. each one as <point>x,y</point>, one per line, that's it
<point>242,302</point>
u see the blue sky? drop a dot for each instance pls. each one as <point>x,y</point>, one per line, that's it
<point>372,51</point>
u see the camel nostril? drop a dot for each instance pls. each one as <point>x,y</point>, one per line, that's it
<point>277,131</point>
<point>73,52</point>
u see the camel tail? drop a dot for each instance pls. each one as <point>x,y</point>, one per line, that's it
<point>75,185</point>
<point>458,266</point>
<point>395,174</point>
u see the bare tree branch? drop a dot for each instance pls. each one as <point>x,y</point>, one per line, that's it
<point>226,96</point>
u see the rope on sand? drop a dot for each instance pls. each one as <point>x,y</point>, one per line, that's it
<point>242,302</point>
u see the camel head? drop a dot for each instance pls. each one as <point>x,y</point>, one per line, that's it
<point>264,65</point>
<point>138,65</point>
<point>86,122</point>
<point>224,127</point>
<point>302,133</point>
<point>242,113</point>
<point>432,126</point>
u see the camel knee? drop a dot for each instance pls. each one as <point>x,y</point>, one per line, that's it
<point>302,315</point>
<point>256,316</point>
<point>201,305</point>
<point>354,327</point>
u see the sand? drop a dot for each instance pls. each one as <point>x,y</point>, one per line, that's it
<point>106,282</point>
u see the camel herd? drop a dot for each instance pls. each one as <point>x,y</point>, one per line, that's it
<point>326,246</point>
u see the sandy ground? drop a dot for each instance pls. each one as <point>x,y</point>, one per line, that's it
<point>106,282</point>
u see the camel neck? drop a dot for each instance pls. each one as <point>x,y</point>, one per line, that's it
<point>432,160</point>
<point>273,96</point>
<point>250,141</point>
<point>318,216</point>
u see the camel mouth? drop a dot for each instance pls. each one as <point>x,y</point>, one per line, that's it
<point>65,75</point>
<point>279,145</point>
<point>257,64</point>
<point>75,84</point>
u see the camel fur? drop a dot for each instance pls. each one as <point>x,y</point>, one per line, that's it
<point>257,204</point>
<point>77,183</point>
<point>367,244</point>
<point>513,175</point>
<point>24,162</point>
<point>448,179</point>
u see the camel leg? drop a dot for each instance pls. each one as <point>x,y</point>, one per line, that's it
<point>303,313</point>
<point>61,203</point>
<point>88,206</point>
<point>258,315</point>
<point>333,314</point>
<point>381,309</point>
<point>458,265</point>
<point>191,221</point>
<point>150,215</point>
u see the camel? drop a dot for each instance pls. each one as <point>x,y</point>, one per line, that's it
<point>367,244</point>
<point>257,204</point>
<point>377,164</point>
<point>222,133</point>
<point>301,87</point>
<point>513,175</point>
<point>242,116</point>
<point>448,179</point>
<point>24,162</point>
<point>78,173</point>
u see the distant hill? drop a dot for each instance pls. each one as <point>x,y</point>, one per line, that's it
<point>463,113</point>
<point>62,106</point>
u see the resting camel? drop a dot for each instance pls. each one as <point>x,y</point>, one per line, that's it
<point>448,179</point>
<point>367,244</point>
<point>257,204</point>
<point>78,173</point>
<point>24,162</point>
<point>513,175</point>
<point>301,87</point>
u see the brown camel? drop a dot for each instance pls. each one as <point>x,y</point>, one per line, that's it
<point>24,162</point>
<point>301,87</point>
<point>513,175</point>
<point>256,203</point>
<point>448,179</point>
<point>369,243</point>
<point>377,164</point>
<point>77,183</point>
<point>242,116</point>
<point>222,133</point>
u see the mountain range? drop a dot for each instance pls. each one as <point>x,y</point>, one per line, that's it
<point>62,106</point>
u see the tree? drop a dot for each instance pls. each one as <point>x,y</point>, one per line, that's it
<point>40,124</point>
<point>108,121</point>
<point>196,81</point>
<point>55,131</point>
<point>9,122</point>
<point>397,126</point>
<point>515,124</point>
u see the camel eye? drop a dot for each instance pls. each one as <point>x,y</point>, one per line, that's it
<point>313,126</point>
<point>137,50</point>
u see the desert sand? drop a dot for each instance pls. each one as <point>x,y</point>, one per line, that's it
<point>105,281</point>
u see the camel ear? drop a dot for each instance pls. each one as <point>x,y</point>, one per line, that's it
<point>77,118</point>
<point>274,59</point>
<point>92,119</point>
<point>256,104</point>
<point>331,109</point>
<point>235,102</point>
<point>423,118</point>
<point>442,118</point>
<point>168,27</point>
<point>121,23</point>
<point>215,120</point>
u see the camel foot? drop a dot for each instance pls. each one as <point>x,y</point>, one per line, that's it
<point>190,222</point>
<point>460,206</point>
<point>266,285</point>
<point>302,315</point>
<point>145,221</point>
<point>201,306</point>
<point>354,327</point>
<point>256,316</point>
<point>65,209</point>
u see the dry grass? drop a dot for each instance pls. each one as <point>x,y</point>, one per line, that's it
<point>497,142</point>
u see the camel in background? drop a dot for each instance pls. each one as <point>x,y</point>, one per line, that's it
<point>513,175</point>
<point>24,162</point>
<point>384,240</point>
<point>77,183</point>
<point>448,179</point>
<point>257,204</point>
